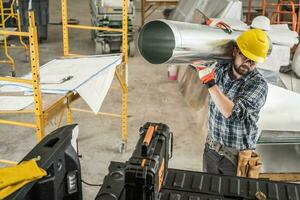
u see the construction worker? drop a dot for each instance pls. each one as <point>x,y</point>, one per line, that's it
<point>237,93</point>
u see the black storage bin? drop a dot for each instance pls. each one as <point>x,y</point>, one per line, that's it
<point>145,170</point>
<point>191,185</point>
<point>60,160</point>
<point>113,184</point>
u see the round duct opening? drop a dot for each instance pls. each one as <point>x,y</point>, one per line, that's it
<point>156,42</point>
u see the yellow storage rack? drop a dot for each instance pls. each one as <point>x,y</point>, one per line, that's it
<point>42,115</point>
<point>6,14</point>
<point>121,70</point>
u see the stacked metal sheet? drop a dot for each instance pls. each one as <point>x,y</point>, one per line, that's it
<point>218,8</point>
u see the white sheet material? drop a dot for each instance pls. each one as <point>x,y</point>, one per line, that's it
<point>95,89</point>
<point>84,70</point>
<point>281,111</point>
<point>218,8</point>
<point>15,102</point>
<point>282,38</point>
<point>54,79</point>
<point>233,10</point>
<point>280,56</point>
<point>282,35</point>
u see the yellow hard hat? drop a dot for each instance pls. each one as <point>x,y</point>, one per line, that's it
<point>254,44</point>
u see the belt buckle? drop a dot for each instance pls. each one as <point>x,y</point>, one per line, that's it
<point>220,150</point>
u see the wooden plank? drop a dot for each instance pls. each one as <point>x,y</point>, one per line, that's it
<point>287,177</point>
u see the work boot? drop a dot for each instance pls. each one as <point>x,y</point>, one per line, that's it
<point>243,160</point>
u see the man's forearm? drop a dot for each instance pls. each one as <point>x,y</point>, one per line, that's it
<point>223,103</point>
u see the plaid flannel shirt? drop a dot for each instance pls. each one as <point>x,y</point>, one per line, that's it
<point>248,94</point>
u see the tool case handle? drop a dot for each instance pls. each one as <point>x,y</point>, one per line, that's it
<point>147,139</point>
<point>171,146</point>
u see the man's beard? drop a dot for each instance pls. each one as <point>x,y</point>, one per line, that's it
<point>242,69</point>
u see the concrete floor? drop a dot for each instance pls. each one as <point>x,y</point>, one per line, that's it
<point>152,97</point>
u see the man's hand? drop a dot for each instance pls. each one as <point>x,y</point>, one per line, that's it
<point>219,24</point>
<point>207,74</point>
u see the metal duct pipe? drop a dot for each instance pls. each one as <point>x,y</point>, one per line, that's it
<point>165,41</point>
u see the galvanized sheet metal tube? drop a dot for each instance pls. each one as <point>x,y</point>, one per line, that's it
<point>165,41</point>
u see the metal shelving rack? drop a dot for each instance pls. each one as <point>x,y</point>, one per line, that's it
<point>121,71</point>
<point>43,115</point>
<point>34,58</point>
<point>6,14</point>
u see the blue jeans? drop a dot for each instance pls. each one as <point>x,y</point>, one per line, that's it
<point>217,164</point>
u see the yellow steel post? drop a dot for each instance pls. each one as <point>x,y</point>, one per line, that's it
<point>124,66</point>
<point>58,122</point>
<point>34,58</point>
<point>64,15</point>
<point>12,13</point>
<point>16,123</point>
<point>69,116</point>
<point>120,79</point>
<point>16,80</point>
<point>10,60</point>
<point>69,111</point>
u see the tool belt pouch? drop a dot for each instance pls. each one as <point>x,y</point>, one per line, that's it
<point>248,164</point>
<point>243,160</point>
<point>254,166</point>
